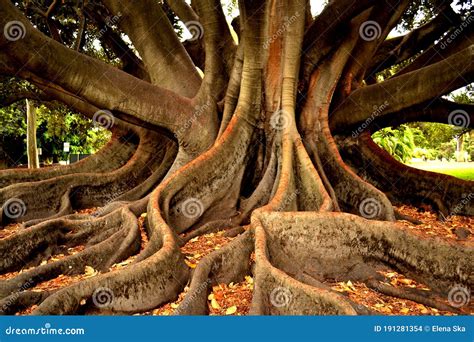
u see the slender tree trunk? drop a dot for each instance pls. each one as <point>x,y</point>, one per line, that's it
<point>31,146</point>
<point>460,148</point>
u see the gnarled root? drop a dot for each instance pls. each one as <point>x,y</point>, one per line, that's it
<point>45,199</point>
<point>448,194</point>
<point>339,246</point>
<point>111,157</point>
<point>228,264</point>
<point>148,283</point>
<point>115,238</point>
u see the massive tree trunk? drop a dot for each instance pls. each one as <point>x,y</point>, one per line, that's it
<point>251,144</point>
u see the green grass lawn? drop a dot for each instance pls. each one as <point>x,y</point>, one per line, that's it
<point>460,170</point>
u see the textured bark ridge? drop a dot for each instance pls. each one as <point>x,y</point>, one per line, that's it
<point>250,147</point>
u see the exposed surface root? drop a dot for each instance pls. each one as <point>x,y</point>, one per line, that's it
<point>49,198</point>
<point>449,195</point>
<point>338,245</point>
<point>456,228</point>
<point>121,243</point>
<point>228,264</point>
<point>21,301</point>
<point>352,192</point>
<point>277,293</point>
<point>381,304</point>
<point>111,157</point>
<point>194,250</point>
<point>410,295</point>
<point>153,280</point>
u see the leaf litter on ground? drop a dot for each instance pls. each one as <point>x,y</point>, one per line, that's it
<point>235,299</point>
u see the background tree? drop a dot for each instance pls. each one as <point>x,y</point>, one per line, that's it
<point>31,146</point>
<point>56,124</point>
<point>428,139</point>
<point>250,145</point>
<point>400,142</point>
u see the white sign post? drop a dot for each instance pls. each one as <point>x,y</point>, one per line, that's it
<point>66,148</point>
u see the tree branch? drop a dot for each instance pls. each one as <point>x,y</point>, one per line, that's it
<point>182,10</point>
<point>188,16</point>
<point>150,31</point>
<point>219,47</point>
<point>330,24</point>
<point>407,90</point>
<point>110,38</point>
<point>80,32</point>
<point>439,110</point>
<point>398,49</point>
<point>386,15</point>
<point>96,82</point>
<point>10,99</point>
<point>456,40</point>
